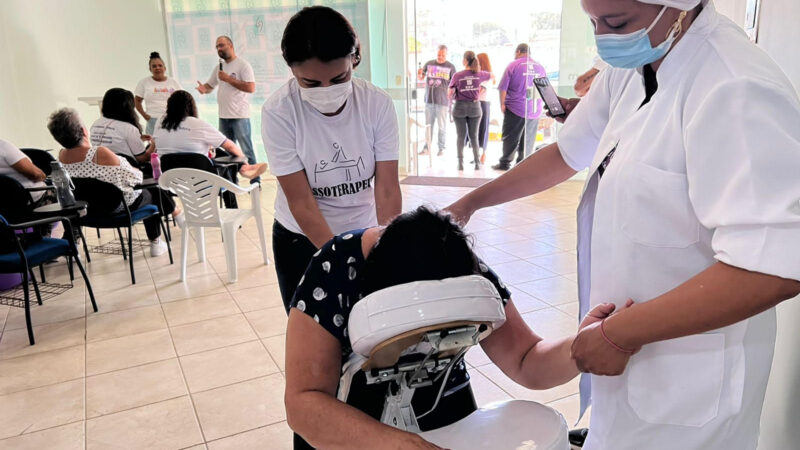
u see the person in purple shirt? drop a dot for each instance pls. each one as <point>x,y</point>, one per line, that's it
<point>465,88</point>
<point>521,111</point>
<point>437,74</point>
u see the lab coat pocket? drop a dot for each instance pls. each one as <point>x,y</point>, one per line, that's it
<point>657,211</point>
<point>679,381</point>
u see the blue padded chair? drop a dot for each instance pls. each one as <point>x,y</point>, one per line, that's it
<point>22,259</point>
<point>107,209</point>
<point>16,205</point>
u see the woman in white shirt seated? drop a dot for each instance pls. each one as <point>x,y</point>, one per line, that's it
<point>152,92</point>
<point>118,129</point>
<point>180,131</point>
<point>14,164</point>
<point>84,160</point>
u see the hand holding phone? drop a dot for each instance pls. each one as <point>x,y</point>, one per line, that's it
<point>550,97</point>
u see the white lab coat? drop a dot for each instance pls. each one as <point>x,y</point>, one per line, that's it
<point>708,170</point>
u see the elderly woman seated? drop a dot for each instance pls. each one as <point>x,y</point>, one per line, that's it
<point>418,245</point>
<point>81,159</point>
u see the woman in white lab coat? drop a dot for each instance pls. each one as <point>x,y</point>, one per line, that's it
<point>691,208</point>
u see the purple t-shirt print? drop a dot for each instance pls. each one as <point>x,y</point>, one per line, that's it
<point>437,80</point>
<point>517,81</point>
<point>468,84</point>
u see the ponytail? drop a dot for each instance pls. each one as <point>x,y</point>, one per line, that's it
<point>472,61</point>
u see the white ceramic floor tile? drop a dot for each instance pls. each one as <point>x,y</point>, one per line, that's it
<point>130,388</point>
<point>169,424</point>
<point>41,369</point>
<point>240,407</point>
<point>66,437</point>
<point>229,365</point>
<point>128,351</point>
<point>41,408</point>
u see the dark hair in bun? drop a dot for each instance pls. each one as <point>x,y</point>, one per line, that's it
<point>154,55</point>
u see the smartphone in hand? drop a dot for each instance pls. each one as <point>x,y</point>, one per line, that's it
<point>549,96</point>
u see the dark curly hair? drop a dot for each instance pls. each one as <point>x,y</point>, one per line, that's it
<point>180,105</point>
<point>422,244</point>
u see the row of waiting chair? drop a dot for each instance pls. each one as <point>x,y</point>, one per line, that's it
<point>198,187</point>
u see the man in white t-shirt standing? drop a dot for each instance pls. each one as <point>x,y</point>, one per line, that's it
<point>236,82</point>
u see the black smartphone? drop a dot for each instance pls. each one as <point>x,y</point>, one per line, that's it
<point>549,96</point>
<point>220,65</point>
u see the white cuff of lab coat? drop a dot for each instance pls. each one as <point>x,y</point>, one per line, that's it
<point>771,249</point>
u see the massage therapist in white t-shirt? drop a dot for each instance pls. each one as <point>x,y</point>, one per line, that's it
<point>152,92</point>
<point>332,142</point>
<point>236,82</point>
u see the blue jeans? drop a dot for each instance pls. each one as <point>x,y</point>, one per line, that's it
<point>436,115</point>
<point>151,125</point>
<point>238,130</point>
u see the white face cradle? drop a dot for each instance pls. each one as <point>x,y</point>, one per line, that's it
<point>394,311</point>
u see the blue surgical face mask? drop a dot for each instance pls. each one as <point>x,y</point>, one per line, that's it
<point>629,51</point>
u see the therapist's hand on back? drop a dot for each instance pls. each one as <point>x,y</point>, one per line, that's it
<point>592,351</point>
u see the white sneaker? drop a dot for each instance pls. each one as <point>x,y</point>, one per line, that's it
<point>158,247</point>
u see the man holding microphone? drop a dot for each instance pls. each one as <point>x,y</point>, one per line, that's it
<point>236,82</point>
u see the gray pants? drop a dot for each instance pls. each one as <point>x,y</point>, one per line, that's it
<point>467,117</point>
<point>435,114</point>
<point>519,135</point>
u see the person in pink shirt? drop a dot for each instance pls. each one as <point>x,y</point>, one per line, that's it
<point>521,111</point>
<point>465,88</point>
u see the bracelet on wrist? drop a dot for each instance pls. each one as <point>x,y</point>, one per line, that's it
<point>610,342</point>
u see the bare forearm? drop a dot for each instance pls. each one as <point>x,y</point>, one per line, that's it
<point>388,203</point>
<point>542,170</point>
<point>140,108</point>
<point>717,297</point>
<point>311,221</point>
<point>244,86</point>
<point>547,364</point>
<point>317,415</point>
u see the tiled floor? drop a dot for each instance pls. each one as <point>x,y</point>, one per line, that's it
<point>166,364</point>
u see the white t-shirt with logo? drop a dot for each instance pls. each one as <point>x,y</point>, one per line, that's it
<point>155,94</point>
<point>10,155</point>
<point>118,136</point>
<point>338,153</point>
<point>233,103</point>
<point>192,136</point>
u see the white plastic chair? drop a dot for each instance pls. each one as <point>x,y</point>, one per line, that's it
<point>198,191</point>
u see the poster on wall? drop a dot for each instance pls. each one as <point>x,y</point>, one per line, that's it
<point>751,17</point>
<point>256,28</point>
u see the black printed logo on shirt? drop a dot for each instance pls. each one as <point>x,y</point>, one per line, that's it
<point>340,165</point>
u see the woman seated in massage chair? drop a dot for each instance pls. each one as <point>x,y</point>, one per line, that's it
<point>418,245</point>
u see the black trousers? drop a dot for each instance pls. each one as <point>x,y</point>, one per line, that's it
<point>292,253</point>
<point>518,133</point>
<point>152,225</point>
<point>467,117</point>
<point>483,130</point>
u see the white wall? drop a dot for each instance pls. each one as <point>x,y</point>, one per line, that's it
<point>59,50</point>
<point>779,37</point>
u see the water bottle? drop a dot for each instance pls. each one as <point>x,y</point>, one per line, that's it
<point>63,185</point>
<point>155,163</point>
